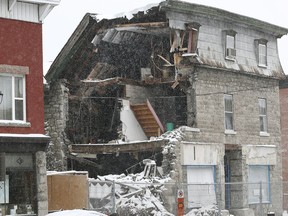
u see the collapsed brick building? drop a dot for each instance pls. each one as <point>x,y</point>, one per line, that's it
<point>183,64</point>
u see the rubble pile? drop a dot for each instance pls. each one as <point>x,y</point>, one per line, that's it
<point>137,194</point>
<point>204,211</point>
<point>170,150</point>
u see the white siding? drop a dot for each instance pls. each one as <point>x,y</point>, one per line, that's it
<point>21,11</point>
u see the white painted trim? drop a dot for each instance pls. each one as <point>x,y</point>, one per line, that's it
<point>190,129</point>
<point>5,123</point>
<point>13,97</point>
<point>230,132</point>
<point>264,134</point>
<point>23,135</point>
<point>12,3</point>
<point>44,10</point>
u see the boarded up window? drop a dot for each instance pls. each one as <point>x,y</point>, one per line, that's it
<point>201,187</point>
<point>259,181</point>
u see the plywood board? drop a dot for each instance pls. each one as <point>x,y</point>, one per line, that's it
<point>67,192</point>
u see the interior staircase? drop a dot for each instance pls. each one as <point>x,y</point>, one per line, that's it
<point>148,119</point>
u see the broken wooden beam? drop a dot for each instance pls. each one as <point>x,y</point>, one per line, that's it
<point>110,148</point>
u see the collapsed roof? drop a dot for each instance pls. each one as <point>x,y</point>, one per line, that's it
<point>120,47</point>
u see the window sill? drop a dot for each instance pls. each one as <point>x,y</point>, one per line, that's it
<point>262,66</point>
<point>264,134</point>
<point>230,58</point>
<point>257,203</point>
<point>189,54</point>
<point>230,132</point>
<point>4,123</point>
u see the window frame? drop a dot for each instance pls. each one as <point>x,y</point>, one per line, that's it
<point>230,51</point>
<point>193,34</point>
<point>263,119</point>
<point>252,185</point>
<point>260,56</point>
<point>14,98</point>
<point>228,112</point>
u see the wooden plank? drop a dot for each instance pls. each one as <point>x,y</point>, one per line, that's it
<point>149,24</point>
<point>115,148</point>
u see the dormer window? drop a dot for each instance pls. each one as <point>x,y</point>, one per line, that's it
<point>191,35</point>
<point>230,45</point>
<point>185,41</point>
<point>262,52</point>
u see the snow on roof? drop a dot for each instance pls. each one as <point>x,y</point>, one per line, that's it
<point>23,135</point>
<point>129,14</point>
<point>71,172</point>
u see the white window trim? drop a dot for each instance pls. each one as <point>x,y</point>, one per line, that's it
<point>14,122</point>
<point>263,133</point>
<point>263,42</point>
<point>229,131</point>
<point>232,34</point>
<point>259,54</point>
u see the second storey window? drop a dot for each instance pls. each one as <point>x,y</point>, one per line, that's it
<point>261,47</point>
<point>230,49</point>
<point>13,104</point>
<point>262,54</point>
<point>228,100</point>
<point>185,41</point>
<point>263,114</point>
<point>192,37</point>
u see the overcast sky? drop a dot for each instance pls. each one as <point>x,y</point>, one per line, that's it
<point>64,18</point>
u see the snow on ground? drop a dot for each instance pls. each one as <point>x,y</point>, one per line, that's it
<point>76,212</point>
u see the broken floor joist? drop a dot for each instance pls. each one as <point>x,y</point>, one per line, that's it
<point>110,148</point>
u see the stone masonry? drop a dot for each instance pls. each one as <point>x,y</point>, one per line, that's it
<point>42,196</point>
<point>210,87</point>
<point>56,116</point>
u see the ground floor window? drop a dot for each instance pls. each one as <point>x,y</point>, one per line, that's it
<point>201,186</point>
<point>17,183</point>
<point>259,184</point>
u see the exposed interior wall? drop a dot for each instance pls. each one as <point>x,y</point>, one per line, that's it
<point>131,129</point>
<point>170,104</point>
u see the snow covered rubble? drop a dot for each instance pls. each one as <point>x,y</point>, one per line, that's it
<point>140,194</point>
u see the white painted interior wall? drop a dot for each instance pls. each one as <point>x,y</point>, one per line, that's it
<point>131,129</point>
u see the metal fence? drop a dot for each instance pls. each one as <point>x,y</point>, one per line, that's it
<point>148,197</point>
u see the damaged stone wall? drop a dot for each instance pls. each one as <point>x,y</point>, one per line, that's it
<point>56,116</point>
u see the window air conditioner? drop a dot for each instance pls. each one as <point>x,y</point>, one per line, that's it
<point>231,52</point>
